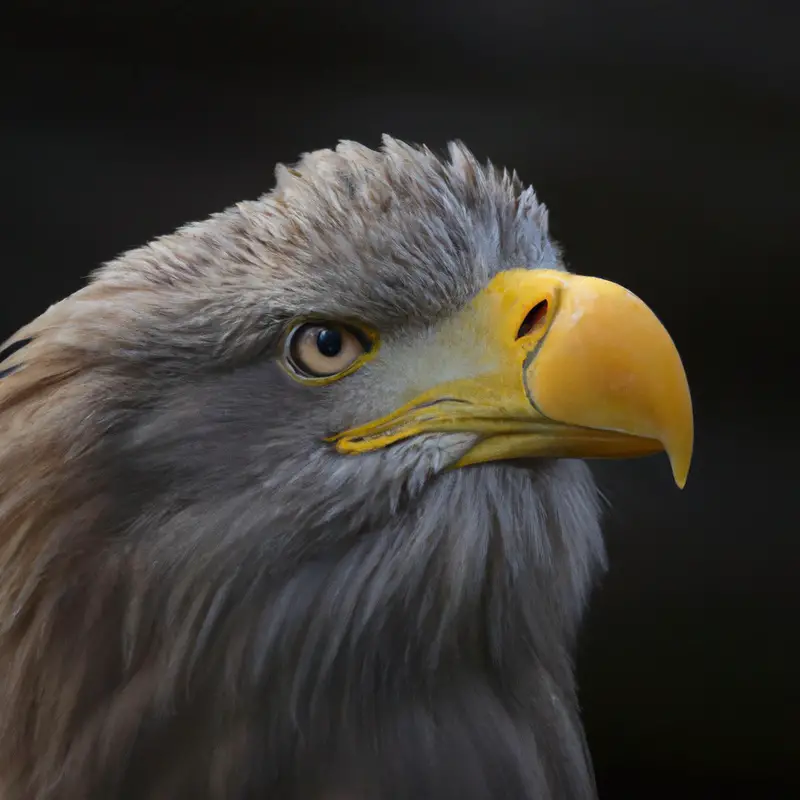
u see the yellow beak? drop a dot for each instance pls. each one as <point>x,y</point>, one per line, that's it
<point>555,365</point>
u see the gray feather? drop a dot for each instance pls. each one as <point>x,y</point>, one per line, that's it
<point>207,600</point>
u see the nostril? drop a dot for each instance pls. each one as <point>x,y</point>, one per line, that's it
<point>533,319</point>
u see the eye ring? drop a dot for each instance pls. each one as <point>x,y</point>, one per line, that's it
<point>320,351</point>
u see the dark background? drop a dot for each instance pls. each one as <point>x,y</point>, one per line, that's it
<point>661,135</point>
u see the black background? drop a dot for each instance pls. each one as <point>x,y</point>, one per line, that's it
<point>660,134</point>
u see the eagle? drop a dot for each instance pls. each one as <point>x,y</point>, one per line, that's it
<point>294,501</point>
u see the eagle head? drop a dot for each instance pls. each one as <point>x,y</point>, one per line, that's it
<point>291,504</point>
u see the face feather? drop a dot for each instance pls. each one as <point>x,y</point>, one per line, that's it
<point>199,596</point>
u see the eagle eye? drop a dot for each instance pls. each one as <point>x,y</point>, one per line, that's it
<point>325,350</point>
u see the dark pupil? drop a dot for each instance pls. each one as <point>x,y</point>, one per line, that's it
<point>329,342</point>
